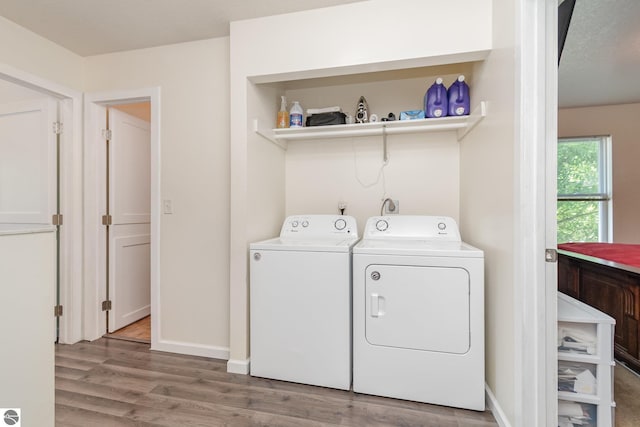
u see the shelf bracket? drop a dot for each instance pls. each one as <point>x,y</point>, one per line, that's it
<point>475,117</point>
<point>268,135</point>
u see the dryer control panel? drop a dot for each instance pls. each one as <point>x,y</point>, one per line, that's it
<point>319,226</point>
<point>412,227</point>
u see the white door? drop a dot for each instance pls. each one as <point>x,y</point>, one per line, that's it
<point>418,307</point>
<point>28,169</point>
<point>27,162</point>
<point>129,204</point>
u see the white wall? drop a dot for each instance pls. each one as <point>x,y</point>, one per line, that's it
<point>194,253</point>
<point>34,54</point>
<point>423,169</point>
<point>621,122</point>
<point>487,202</point>
<point>359,51</point>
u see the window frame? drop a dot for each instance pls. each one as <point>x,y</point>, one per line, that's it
<point>605,197</point>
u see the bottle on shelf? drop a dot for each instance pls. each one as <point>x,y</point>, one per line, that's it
<point>283,115</point>
<point>295,115</point>
<point>459,101</point>
<point>435,100</point>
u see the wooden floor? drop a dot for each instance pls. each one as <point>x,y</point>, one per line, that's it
<point>119,383</point>
<point>137,331</point>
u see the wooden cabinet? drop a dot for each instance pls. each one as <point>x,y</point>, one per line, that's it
<point>610,288</point>
<point>591,352</point>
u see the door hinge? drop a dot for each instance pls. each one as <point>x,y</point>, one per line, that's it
<point>106,134</point>
<point>550,255</point>
<point>106,305</point>
<point>57,311</point>
<point>57,128</point>
<point>56,219</point>
<point>107,219</point>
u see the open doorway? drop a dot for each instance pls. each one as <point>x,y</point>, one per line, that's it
<point>127,221</point>
<point>122,214</point>
<point>599,102</point>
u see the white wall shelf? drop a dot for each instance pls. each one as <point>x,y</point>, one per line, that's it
<point>573,313</point>
<point>461,124</point>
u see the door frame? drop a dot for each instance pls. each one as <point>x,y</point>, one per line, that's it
<point>535,296</point>
<point>70,114</point>
<point>95,233</point>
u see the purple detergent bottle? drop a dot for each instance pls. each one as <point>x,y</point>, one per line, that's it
<point>459,98</point>
<point>435,100</point>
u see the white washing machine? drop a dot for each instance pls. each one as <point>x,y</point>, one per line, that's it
<point>418,312</point>
<point>300,294</point>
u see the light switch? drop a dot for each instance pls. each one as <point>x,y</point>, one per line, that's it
<point>167,208</point>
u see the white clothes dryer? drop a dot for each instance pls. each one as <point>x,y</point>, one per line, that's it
<point>418,312</point>
<point>300,303</point>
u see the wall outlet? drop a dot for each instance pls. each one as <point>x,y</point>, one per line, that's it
<point>390,209</point>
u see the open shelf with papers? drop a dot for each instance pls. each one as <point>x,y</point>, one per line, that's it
<point>585,365</point>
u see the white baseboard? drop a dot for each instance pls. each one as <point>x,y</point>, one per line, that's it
<point>496,410</point>
<point>238,366</point>
<point>191,349</point>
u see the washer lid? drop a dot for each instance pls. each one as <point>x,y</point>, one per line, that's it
<point>417,247</point>
<point>305,245</point>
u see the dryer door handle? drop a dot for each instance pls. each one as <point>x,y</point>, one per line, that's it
<point>377,305</point>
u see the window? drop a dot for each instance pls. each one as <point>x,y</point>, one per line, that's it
<point>584,189</point>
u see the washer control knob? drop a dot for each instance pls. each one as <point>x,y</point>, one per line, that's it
<point>442,226</point>
<point>305,223</point>
<point>294,224</point>
<point>340,224</point>
<point>382,225</point>
<point>375,275</point>
<point>257,256</point>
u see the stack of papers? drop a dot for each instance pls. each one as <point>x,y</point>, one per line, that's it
<point>576,379</point>
<point>576,340</point>
<point>572,414</point>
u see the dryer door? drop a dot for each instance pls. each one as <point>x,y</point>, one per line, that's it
<point>418,307</point>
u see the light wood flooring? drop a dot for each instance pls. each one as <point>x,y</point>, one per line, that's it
<point>111,382</point>
<point>137,331</point>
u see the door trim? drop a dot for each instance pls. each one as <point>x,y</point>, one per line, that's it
<point>95,284</point>
<point>70,114</point>
<point>536,280</point>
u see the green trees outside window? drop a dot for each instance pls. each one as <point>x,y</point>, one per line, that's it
<point>584,189</point>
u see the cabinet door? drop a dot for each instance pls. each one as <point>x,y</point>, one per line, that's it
<point>568,276</point>
<point>612,294</point>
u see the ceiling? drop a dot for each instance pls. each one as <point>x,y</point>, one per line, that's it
<point>93,27</point>
<point>600,61</point>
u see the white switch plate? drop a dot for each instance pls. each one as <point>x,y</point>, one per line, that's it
<point>167,208</point>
